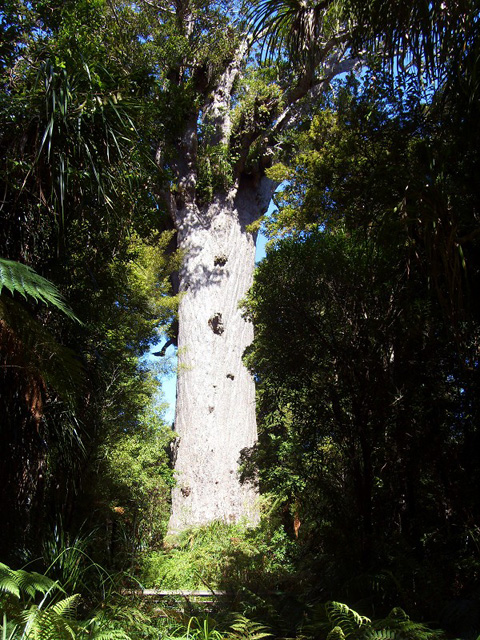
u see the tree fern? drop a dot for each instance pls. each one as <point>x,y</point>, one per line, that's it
<point>20,278</point>
<point>28,345</point>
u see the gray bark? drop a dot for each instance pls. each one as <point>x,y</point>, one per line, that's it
<point>215,412</point>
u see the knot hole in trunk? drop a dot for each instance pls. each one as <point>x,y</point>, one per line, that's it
<point>220,260</point>
<point>216,324</point>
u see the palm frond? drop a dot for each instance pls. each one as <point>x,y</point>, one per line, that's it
<point>295,27</point>
<point>84,126</point>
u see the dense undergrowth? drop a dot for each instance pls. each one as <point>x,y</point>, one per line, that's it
<point>260,592</point>
<point>221,556</point>
<point>33,606</point>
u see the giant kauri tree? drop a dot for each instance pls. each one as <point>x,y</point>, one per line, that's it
<point>226,118</point>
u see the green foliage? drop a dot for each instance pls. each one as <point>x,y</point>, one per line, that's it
<point>367,399</point>
<point>254,567</point>
<point>362,318</point>
<point>258,101</point>
<point>199,558</point>
<point>79,207</point>
<point>205,629</point>
<point>294,28</point>
<point>20,278</point>
<point>437,42</point>
<point>259,91</point>
<point>340,615</point>
<point>234,558</point>
<point>429,37</point>
<point>215,171</point>
<point>243,628</point>
<point>347,623</point>
<point>137,480</point>
<point>21,582</point>
<point>52,618</point>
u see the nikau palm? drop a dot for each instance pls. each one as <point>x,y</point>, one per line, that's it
<point>428,34</point>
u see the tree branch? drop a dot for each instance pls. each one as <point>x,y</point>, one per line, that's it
<point>311,88</point>
<point>217,111</point>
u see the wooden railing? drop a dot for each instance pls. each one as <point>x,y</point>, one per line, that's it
<point>161,593</point>
<point>184,600</point>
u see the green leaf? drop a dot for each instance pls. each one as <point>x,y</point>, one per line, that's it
<point>20,278</point>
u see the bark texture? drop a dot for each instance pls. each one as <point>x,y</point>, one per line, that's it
<point>215,413</point>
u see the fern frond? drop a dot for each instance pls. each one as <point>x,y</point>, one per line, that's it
<point>398,614</point>
<point>383,634</point>
<point>8,581</point>
<point>48,624</point>
<point>18,582</point>
<point>67,606</point>
<point>336,634</point>
<point>109,634</point>
<point>347,619</point>
<point>245,629</point>
<point>32,583</point>
<point>399,624</point>
<point>23,619</point>
<point>96,629</point>
<point>20,278</point>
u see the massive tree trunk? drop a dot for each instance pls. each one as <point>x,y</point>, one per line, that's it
<point>215,413</point>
